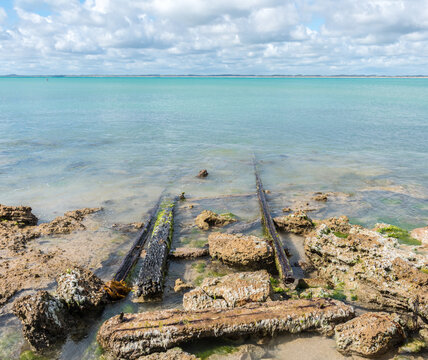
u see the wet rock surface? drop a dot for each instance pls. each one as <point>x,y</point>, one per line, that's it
<point>369,335</point>
<point>208,218</point>
<point>189,253</point>
<point>297,223</point>
<point>44,319</point>
<point>372,267</point>
<point>229,291</point>
<point>420,234</point>
<point>14,234</point>
<point>320,197</point>
<point>81,290</point>
<point>338,224</point>
<point>21,215</point>
<point>135,335</point>
<point>180,285</point>
<point>241,251</point>
<point>243,352</point>
<point>128,228</point>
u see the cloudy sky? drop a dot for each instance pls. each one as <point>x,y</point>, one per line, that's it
<point>214,37</point>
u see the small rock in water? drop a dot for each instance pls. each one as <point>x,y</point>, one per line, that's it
<point>229,291</point>
<point>202,174</point>
<point>320,197</point>
<point>208,218</point>
<point>44,319</point>
<point>297,223</point>
<point>286,209</point>
<point>81,290</point>
<point>241,251</point>
<point>370,334</point>
<point>181,285</point>
<point>128,228</point>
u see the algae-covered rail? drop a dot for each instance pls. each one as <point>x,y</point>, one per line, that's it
<point>151,275</point>
<point>281,260</point>
<point>134,253</point>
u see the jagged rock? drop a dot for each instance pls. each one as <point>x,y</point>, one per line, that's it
<point>21,215</point>
<point>189,253</point>
<point>72,220</point>
<point>340,224</point>
<point>420,234</point>
<point>320,197</point>
<point>202,174</point>
<point>229,291</point>
<point>81,290</point>
<point>297,223</point>
<point>208,218</point>
<point>134,335</point>
<point>44,319</point>
<point>243,352</point>
<point>181,285</point>
<point>372,267</point>
<point>370,334</point>
<point>241,251</point>
<point>171,354</point>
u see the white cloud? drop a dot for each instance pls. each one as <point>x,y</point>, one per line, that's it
<point>198,36</point>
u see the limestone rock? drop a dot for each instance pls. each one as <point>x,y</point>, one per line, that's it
<point>133,335</point>
<point>21,215</point>
<point>242,251</point>
<point>373,267</point>
<point>320,197</point>
<point>297,223</point>
<point>43,318</point>
<point>81,290</point>
<point>181,285</point>
<point>340,224</point>
<point>208,218</point>
<point>370,334</point>
<point>420,234</point>
<point>229,291</point>
<point>189,253</point>
<point>72,220</point>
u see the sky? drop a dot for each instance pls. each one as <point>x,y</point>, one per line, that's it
<point>101,37</point>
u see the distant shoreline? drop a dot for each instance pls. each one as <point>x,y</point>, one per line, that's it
<point>227,76</point>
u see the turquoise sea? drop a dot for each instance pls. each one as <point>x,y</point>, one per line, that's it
<point>118,143</point>
<point>72,142</point>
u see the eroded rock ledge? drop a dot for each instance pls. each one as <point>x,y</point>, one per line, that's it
<point>133,335</point>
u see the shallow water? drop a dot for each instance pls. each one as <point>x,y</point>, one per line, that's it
<point>118,143</point>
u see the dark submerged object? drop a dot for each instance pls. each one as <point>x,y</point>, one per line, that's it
<point>203,173</point>
<point>152,273</point>
<point>281,261</point>
<point>134,253</point>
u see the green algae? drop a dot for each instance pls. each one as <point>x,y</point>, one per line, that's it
<point>199,267</point>
<point>400,234</point>
<point>217,350</point>
<point>195,243</point>
<point>340,234</point>
<point>29,355</point>
<point>338,295</point>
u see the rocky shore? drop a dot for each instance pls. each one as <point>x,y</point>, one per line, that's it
<point>366,288</point>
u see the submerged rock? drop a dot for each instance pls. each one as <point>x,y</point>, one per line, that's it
<point>420,234</point>
<point>297,223</point>
<point>81,290</point>
<point>71,221</point>
<point>128,228</point>
<point>320,197</point>
<point>44,319</point>
<point>370,334</point>
<point>208,218</point>
<point>241,251</point>
<point>202,174</point>
<point>243,352</point>
<point>181,285</point>
<point>134,335</point>
<point>372,267</point>
<point>21,215</point>
<point>229,291</point>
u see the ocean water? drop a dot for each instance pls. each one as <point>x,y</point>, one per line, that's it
<point>72,142</point>
<point>119,143</point>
